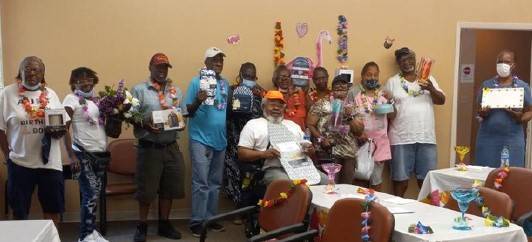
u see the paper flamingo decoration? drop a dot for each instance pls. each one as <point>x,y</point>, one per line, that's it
<point>323,35</point>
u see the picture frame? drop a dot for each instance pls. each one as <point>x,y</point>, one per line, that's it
<point>54,117</point>
<point>168,119</point>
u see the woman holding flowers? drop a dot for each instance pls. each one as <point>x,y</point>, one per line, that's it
<point>88,151</point>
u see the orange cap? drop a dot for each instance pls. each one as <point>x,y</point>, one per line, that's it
<point>274,95</point>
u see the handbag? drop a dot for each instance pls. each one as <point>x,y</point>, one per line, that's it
<point>365,162</point>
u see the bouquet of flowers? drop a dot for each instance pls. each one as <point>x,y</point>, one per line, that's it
<point>118,105</point>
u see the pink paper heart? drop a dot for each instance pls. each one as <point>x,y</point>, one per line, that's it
<point>301,29</point>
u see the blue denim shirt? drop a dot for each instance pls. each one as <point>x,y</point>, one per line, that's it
<point>149,101</point>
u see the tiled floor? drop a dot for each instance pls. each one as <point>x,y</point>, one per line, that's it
<point>124,231</point>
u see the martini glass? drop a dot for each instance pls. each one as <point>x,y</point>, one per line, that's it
<point>331,169</point>
<point>463,197</point>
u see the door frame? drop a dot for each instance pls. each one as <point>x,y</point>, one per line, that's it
<point>472,25</point>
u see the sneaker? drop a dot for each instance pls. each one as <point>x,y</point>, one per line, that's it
<point>98,237</point>
<point>216,227</point>
<point>165,229</point>
<point>142,231</point>
<point>196,230</point>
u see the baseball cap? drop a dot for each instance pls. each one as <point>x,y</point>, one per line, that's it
<point>213,51</point>
<point>274,95</point>
<point>160,58</point>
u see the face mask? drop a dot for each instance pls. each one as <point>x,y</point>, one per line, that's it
<point>503,70</point>
<point>28,87</point>
<point>249,83</point>
<point>372,84</point>
<point>31,88</point>
<point>85,94</point>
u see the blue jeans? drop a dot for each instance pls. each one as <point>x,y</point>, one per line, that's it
<point>207,173</point>
<point>90,185</point>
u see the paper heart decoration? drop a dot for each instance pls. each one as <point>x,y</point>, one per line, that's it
<point>233,39</point>
<point>301,29</point>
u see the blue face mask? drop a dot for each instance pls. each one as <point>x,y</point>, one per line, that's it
<point>31,88</point>
<point>372,84</point>
<point>249,83</point>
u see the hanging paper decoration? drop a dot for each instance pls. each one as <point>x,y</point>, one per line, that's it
<point>278,54</point>
<point>301,29</point>
<point>233,39</point>
<point>388,42</point>
<point>323,35</point>
<point>283,195</point>
<point>301,69</point>
<point>342,39</point>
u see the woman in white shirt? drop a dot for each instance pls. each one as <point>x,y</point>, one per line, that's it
<point>88,149</point>
<point>31,149</point>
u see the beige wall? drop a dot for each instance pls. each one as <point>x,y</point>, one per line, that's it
<point>117,38</point>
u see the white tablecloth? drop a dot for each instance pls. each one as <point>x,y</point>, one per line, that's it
<point>28,230</point>
<point>440,219</point>
<point>450,178</point>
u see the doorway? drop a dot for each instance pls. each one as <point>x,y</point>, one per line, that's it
<point>477,46</point>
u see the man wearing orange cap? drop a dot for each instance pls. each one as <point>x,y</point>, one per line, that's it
<point>254,143</point>
<point>160,165</point>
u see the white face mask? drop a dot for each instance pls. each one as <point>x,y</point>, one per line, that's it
<point>503,69</point>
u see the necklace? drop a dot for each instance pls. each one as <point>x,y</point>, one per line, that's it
<point>408,91</point>
<point>34,113</point>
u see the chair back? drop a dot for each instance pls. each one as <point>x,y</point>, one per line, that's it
<point>499,203</point>
<point>344,222</point>
<point>123,157</point>
<point>291,211</point>
<point>515,186</point>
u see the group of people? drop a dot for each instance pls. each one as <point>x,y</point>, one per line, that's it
<point>232,132</point>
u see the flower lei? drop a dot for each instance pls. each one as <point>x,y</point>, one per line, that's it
<point>278,53</point>
<point>419,228</point>
<point>491,220</point>
<point>162,98</point>
<point>370,106</point>
<point>85,107</point>
<point>501,176</point>
<point>408,91</point>
<point>341,30</point>
<point>283,195</point>
<point>366,214</point>
<point>437,198</point>
<point>26,103</point>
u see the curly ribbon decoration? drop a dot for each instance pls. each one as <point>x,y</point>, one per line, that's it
<point>323,35</point>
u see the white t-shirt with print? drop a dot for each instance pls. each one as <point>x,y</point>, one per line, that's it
<point>24,135</point>
<point>90,136</point>
<point>414,120</point>
<point>254,136</point>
